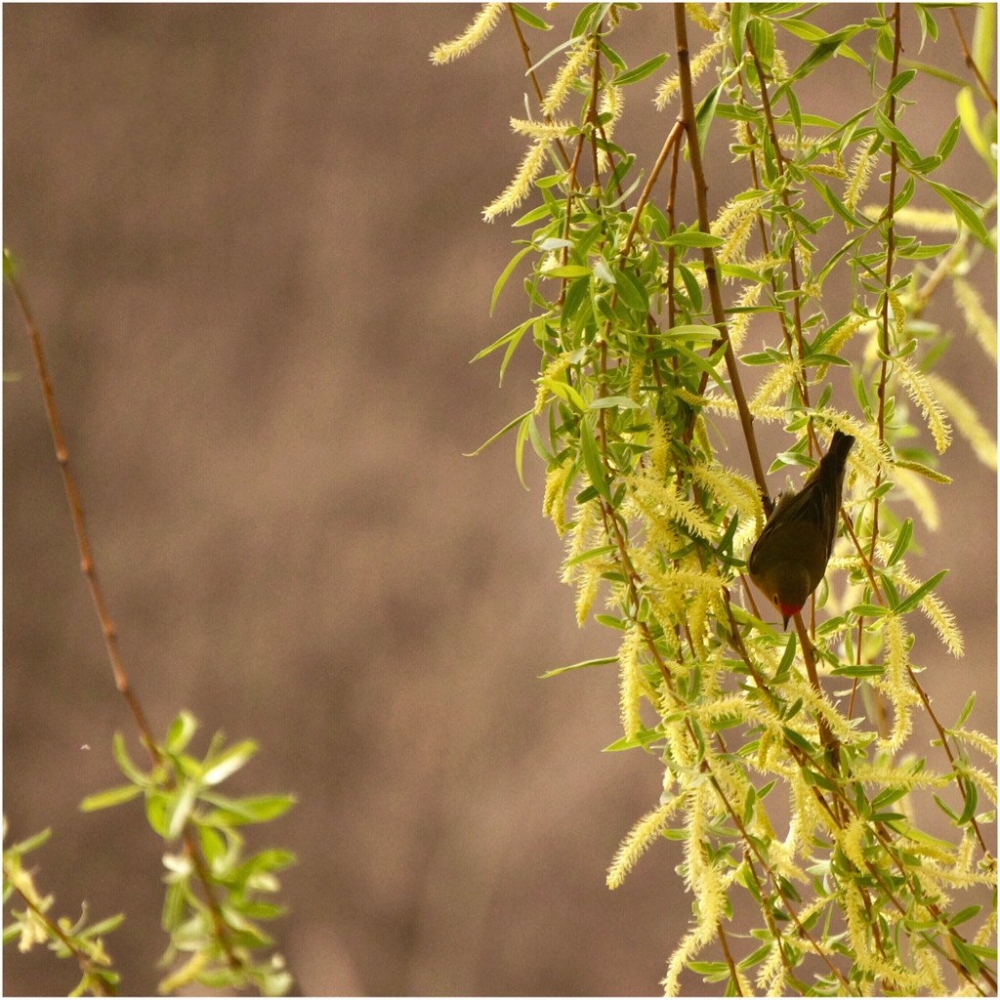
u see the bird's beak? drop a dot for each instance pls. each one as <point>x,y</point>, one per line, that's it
<point>787,619</point>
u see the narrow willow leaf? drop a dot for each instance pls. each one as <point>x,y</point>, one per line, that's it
<point>506,273</point>
<point>500,433</point>
<point>180,732</point>
<point>229,762</point>
<point>705,112</point>
<point>964,212</point>
<point>903,537</point>
<point>528,18</point>
<point>966,711</point>
<point>110,797</point>
<point>592,460</point>
<point>602,661</point>
<point>640,72</point>
<point>909,603</point>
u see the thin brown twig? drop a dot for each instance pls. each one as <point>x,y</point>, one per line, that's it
<point>526,52</point>
<point>734,976</point>
<point>76,512</point>
<point>107,627</point>
<point>708,254</point>
<point>971,63</point>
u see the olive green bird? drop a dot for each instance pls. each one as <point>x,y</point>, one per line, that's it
<point>789,558</point>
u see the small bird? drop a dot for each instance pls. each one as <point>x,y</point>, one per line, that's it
<point>789,558</point>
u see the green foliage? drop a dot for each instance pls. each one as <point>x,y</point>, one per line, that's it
<point>215,895</point>
<point>639,314</point>
<point>31,924</point>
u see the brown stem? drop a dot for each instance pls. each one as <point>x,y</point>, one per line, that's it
<point>526,52</point>
<point>107,626</point>
<point>734,976</point>
<point>711,274</point>
<point>971,63</point>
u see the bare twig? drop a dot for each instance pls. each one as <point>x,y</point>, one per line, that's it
<point>107,627</point>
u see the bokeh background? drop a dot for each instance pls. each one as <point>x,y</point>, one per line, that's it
<point>252,239</point>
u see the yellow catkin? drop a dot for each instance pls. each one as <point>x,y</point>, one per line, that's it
<point>477,32</point>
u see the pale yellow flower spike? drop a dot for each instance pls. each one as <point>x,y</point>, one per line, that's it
<point>554,501</point>
<point>919,390</point>
<point>861,170</point>
<point>701,61</point>
<point>540,130</point>
<point>568,72</point>
<point>520,187</point>
<point>630,682</point>
<point>700,17</point>
<point>639,838</point>
<point>977,319</point>
<point>482,24</point>
<point>966,420</point>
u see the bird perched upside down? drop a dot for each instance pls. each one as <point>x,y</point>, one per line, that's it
<point>789,558</point>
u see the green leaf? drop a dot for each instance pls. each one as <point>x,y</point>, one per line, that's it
<point>180,732</point>
<point>228,762</point>
<point>523,432</point>
<point>156,812</point>
<point>964,212</point>
<point>9,265</point>
<point>642,738</point>
<point>592,460</point>
<point>920,593</point>
<point>514,335</point>
<point>900,80</point>
<point>611,402</point>
<point>631,291</point>
<point>692,333</point>
<point>252,809</point>
<point>500,433</point>
<point>110,797</point>
<point>693,238</point>
<point>600,662</point>
<point>31,843</point>
<point>567,271</point>
<point>923,251</point>
<point>705,112</point>
<point>966,711</point>
<point>124,762</point>
<point>587,20</point>
<point>928,26</point>
<point>506,273</point>
<point>970,123</point>
<point>823,50</point>
<point>963,915</point>
<point>796,739</point>
<point>105,926</point>
<point>971,800</point>
<point>565,392</point>
<point>179,808</point>
<point>528,18</point>
<point>888,128</point>
<point>787,659</point>
<point>609,621</point>
<point>859,670</point>
<point>903,537</point>
<point>947,142</point>
<point>641,71</point>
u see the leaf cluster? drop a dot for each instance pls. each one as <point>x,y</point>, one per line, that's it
<point>639,315</point>
<point>216,896</point>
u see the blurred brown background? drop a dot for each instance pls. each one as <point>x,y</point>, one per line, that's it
<point>252,239</point>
